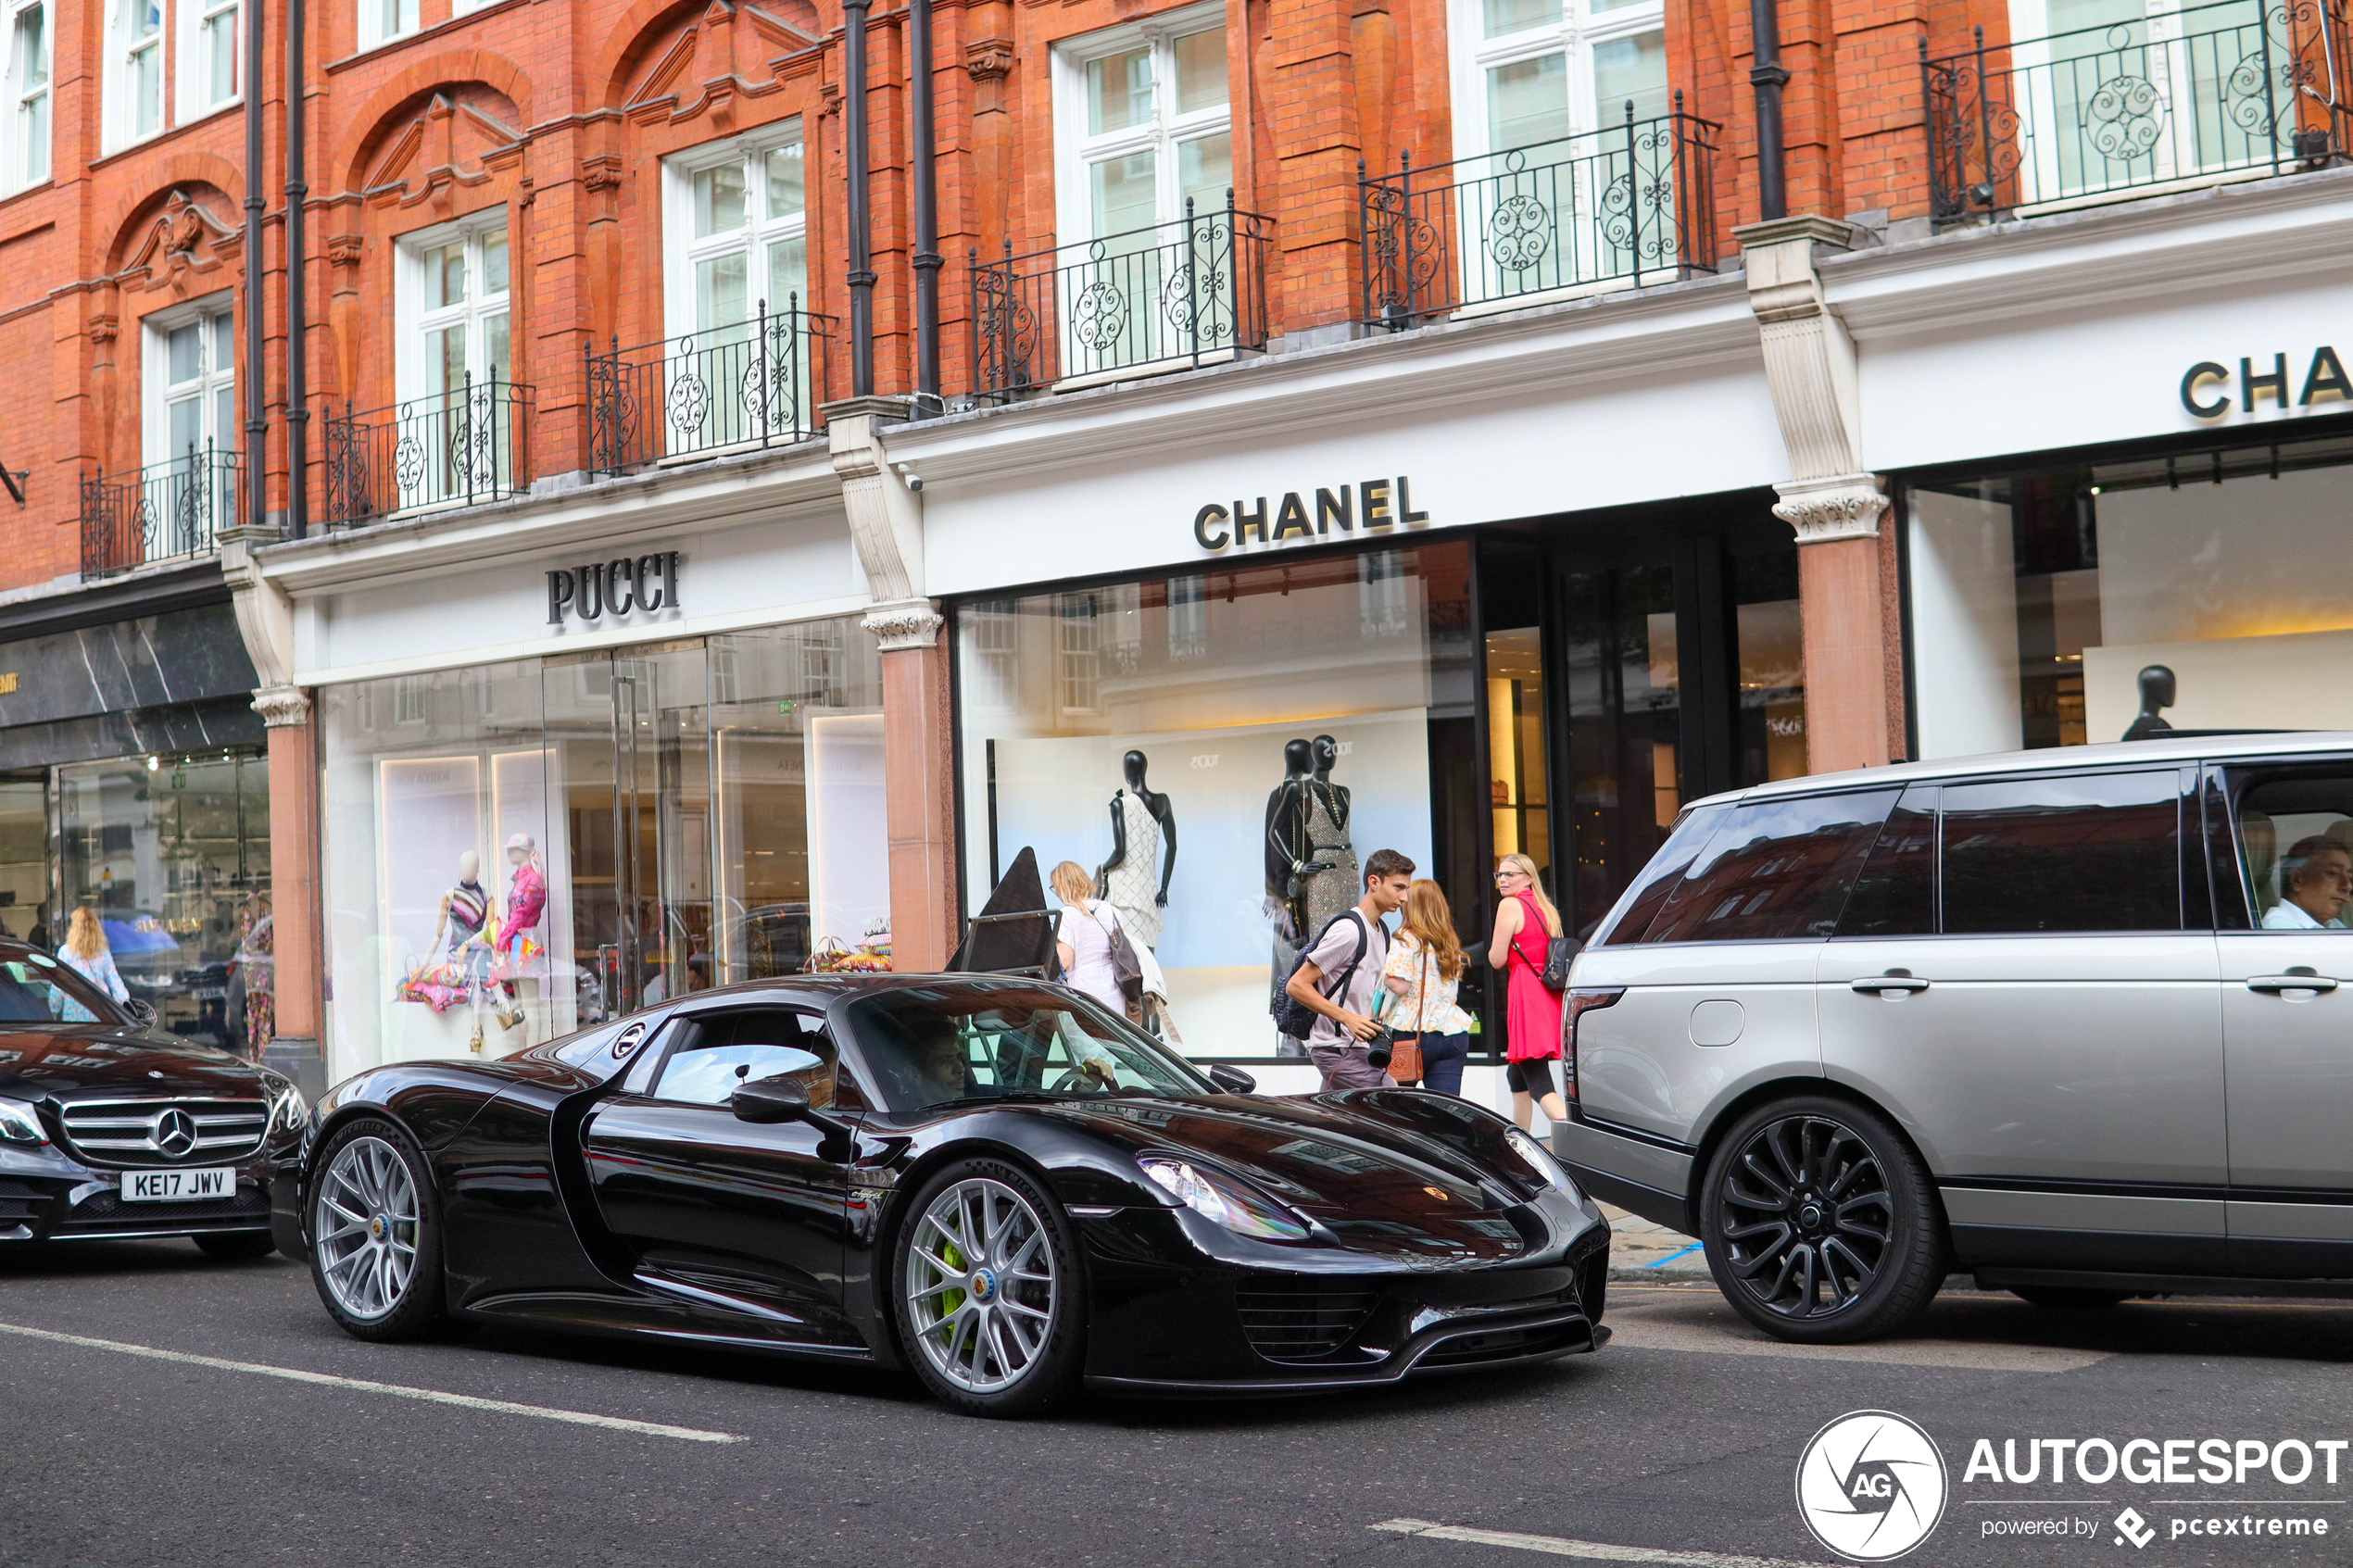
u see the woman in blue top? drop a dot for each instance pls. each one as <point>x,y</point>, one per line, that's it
<point>86,954</point>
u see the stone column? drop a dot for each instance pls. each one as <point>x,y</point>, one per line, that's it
<point>295,987</point>
<point>919,766</point>
<point>1853,657</point>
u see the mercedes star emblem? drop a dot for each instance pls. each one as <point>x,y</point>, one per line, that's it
<point>175,1132</point>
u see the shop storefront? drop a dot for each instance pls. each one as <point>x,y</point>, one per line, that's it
<point>136,786</point>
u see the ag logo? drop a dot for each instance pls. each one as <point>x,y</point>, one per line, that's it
<point>1871,1485</point>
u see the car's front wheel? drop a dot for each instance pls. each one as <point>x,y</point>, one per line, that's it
<point>988,1290</point>
<point>375,1252</point>
<point>1820,1223</point>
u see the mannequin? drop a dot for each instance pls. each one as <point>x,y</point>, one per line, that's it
<point>526,898</point>
<point>1143,828</point>
<point>1331,883</point>
<point>2156,694</point>
<point>1287,851</point>
<point>465,914</point>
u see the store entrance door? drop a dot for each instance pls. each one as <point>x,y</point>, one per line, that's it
<point>629,736</point>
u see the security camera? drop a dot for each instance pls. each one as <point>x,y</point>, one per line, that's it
<point>908,474</point>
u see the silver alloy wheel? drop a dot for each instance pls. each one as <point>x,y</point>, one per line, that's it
<point>980,1286</point>
<point>365,1220</point>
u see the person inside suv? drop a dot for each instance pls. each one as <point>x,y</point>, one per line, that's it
<point>2316,881</point>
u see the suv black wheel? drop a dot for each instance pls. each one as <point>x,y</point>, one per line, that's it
<point>1820,1223</point>
<point>375,1232</point>
<point>236,1246</point>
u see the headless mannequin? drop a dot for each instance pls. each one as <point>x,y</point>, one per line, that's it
<point>1133,765</point>
<point>466,913</point>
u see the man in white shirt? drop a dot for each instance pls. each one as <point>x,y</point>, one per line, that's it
<point>2316,881</point>
<point>1352,950</point>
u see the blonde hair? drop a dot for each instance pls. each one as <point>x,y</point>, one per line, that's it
<point>85,939</point>
<point>1432,924</point>
<point>1536,888</point>
<point>1072,885</point>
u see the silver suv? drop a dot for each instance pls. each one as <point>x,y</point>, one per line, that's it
<point>2079,1022</point>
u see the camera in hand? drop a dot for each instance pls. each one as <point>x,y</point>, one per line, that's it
<point>1381,1046</point>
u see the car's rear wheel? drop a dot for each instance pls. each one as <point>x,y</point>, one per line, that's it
<point>989,1291</point>
<point>236,1246</point>
<point>2069,1299</point>
<point>1820,1223</point>
<point>375,1252</point>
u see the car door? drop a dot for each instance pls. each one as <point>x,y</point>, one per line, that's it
<point>741,1216</point>
<point>1718,987</point>
<point>2282,834</point>
<point>2035,1008</point>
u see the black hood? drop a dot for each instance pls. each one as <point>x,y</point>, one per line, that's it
<point>95,1060</point>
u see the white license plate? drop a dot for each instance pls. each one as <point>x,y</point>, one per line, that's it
<point>177,1187</point>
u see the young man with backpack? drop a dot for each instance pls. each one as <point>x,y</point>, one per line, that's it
<point>1338,976</point>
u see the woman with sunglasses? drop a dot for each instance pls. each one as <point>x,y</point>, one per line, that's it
<point>1524,923</point>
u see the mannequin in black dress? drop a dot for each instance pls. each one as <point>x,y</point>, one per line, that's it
<point>1126,886</point>
<point>1289,858</point>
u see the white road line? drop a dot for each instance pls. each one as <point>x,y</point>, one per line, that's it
<point>401,1391</point>
<point>1559,1545</point>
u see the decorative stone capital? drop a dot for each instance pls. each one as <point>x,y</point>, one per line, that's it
<point>989,59</point>
<point>1845,506</point>
<point>345,250</point>
<point>600,172</point>
<point>283,708</point>
<point>904,623</point>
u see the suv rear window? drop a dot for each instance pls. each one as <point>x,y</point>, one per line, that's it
<point>1775,869</point>
<point>2097,852</point>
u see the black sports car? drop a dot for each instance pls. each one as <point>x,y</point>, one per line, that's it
<point>111,1130</point>
<point>992,1181</point>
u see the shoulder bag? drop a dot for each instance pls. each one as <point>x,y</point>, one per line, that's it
<point>1127,969</point>
<point>1559,951</point>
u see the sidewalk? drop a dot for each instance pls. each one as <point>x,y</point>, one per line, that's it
<point>1640,1250</point>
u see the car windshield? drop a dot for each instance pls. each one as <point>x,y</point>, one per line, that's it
<point>36,988</point>
<point>937,1043</point>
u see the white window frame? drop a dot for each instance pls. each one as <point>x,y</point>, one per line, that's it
<point>155,375</point>
<point>413,320</point>
<point>682,251</point>
<point>1076,152</point>
<point>119,126</point>
<point>408,17</point>
<point>26,164</point>
<point>1578,32</point>
<point>186,22</point>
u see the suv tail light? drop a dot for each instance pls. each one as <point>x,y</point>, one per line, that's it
<point>1574,1006</point>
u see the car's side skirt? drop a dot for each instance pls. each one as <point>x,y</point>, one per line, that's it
<point>643,1318</point>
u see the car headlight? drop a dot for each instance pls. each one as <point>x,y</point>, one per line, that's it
<point>1220,1198</point>
<point>288,1109</point>
<point>1538,1156</point>
<point>20,1123</point>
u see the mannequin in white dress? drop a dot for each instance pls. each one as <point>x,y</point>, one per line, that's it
<point>1143,831</point>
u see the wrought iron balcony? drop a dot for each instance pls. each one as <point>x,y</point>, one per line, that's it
<point>1166,297</point>
<point>2208,93</point>
<point>165,511</point>
<point>1618,207</point>
<point>727,389</point>
<point>455,448</point>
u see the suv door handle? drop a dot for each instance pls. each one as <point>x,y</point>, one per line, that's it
<point>2277,982</point>
<point>1871,984</point>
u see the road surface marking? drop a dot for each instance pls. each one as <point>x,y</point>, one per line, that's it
<point>431,1396</point>
<point>1559,1545</point>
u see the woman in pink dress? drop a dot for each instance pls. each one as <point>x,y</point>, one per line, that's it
<point>1525,923</point>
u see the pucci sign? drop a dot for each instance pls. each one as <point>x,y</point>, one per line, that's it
<point>1375,505</point>
<point>2209,389</point>
<point>624,585</point>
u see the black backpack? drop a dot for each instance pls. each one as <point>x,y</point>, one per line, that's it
<point>1295,1018</point>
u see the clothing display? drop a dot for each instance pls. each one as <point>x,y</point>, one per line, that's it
<point>1286,849</point>
<point>1134,879</point>
<point>1334,884</point>
<point>526,899</point>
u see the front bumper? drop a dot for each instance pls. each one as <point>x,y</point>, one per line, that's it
<point>46,1195</point>
<point>1184,1308</point>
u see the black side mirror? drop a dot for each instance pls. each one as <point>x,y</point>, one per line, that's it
<point>1233,1080</point>
<point>140,1013</point>
<point>770,1099</point>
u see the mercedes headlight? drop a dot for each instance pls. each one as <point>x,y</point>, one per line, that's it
<point>1220,1198</point>
<point>20,1123</point>
<point>1537,1155</point>
<point>288,1109</point>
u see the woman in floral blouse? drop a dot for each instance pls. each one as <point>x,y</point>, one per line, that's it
<point>1425,965</point>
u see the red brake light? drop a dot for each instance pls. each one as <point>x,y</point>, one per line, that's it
<point>1574,1006</point>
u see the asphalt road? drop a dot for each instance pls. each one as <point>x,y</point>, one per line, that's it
<point>1681,1437</point>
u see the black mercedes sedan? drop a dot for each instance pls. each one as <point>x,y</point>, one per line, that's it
<point>111,1130</point>
<point>991,1181</point>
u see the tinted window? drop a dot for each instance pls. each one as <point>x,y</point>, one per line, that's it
<point>36,988</point>
<point>1895,895</point>
<point>720,1054</point>
<point>2096,853</point>
<point>2295,847</point>
<point>1658,878</point>
<point>1776,868</point>
<point>933,1043</point>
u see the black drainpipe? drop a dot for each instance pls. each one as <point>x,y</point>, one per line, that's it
<point>256,407</point>
<point>298,306</point>
<point>853,130</point>
<point>928,259</point>
<point>1768,78</point>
